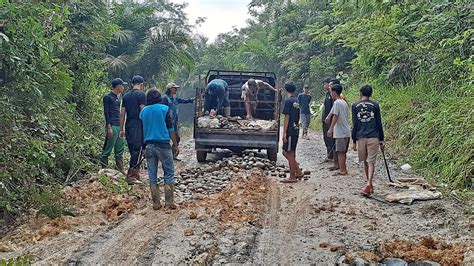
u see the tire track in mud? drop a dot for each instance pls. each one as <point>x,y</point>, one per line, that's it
<point>275,241</point>
<point>268,242</point>
<point>125,241</point>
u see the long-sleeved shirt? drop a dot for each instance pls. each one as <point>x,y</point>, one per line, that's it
<point>157,124</point>
<point>111,103</point>
<point>366,120</point>
<point>216,95</point>
<point>172,103</point>
<point>328,103</point>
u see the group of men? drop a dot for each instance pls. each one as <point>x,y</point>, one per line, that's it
<point>149,122</point>
<point>367,131</point>
<point>216,96</point>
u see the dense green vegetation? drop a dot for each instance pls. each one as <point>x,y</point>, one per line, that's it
<point>56,59</point>
<point>418,55</point>
<point>56,62</point>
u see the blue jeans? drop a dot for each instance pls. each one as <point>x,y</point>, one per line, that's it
<point>160,152</point>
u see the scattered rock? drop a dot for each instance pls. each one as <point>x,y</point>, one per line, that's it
<point>7,247</point>
<point>394,262</point>
<point>406,167</point>
<point>188,232</point>
<point>193,215</point>
<point>334,249</point>
<point>216,176</point>
<point>324,245</point>
<point>408,196</point>
<point>424,263</point>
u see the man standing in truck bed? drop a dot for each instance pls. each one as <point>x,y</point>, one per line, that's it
<point>249,94</point>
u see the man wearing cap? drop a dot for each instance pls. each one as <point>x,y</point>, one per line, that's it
<point>112,102</point>
<point>249,94</point>
<point>305,112</point>
<point>131,126</point>
<point>172,101</point>
<point>216,97</point>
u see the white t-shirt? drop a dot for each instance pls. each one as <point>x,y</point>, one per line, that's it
<point>251,94</point>
<point>342,128</point>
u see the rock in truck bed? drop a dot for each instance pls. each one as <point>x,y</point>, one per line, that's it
<point>236,123</point>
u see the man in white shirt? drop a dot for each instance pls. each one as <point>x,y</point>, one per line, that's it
<point>340,129</point>
<point>249,94</point>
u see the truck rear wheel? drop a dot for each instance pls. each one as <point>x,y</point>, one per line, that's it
<point>272,154</point>
<point>201,156</point>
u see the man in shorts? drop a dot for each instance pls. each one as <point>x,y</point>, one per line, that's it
<point>367,133</point>
<point>291,110</point>
<point>250,92</point>
<point>339,129</point>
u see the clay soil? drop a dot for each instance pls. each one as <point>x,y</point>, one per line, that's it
<point>256,219</point>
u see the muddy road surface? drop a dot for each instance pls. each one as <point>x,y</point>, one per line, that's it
<point>254,219</point>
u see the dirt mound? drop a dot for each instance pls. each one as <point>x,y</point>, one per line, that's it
<point>241,203</point>
<point>93,198</point>
<point>93,205</point>
<point>426,249</point>
<point>244,202</point>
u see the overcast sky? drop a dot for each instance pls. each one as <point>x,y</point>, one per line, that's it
<point>221,15</point>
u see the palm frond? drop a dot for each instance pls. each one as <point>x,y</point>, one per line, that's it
<point>116,64</point>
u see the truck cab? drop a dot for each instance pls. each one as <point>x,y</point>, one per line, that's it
<point>268,108</point>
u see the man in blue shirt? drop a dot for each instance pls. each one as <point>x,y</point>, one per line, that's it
<point>172,101</point>
<point>216,97</point>
<point>305,112</point>
<point>157,132</point>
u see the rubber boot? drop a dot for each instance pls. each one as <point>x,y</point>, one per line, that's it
<point>169,196</point>
<point>104,162</point>
<point>155,196</point>
<point>119,165</point>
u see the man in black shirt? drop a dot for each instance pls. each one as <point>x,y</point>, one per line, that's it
<point>112,102</point>
<point>131,126</point>
<point>367,133</point>
<point>328,103</point>
<point>291,130</point>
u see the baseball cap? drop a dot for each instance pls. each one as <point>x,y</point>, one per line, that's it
<point>138,80</point>
<point>118,81</point>
<point>306,86</point>
<point>171,85</point>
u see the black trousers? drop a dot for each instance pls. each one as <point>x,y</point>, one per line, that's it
<point>329,142</point>
<point>134,136</point>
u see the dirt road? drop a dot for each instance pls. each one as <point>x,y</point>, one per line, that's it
<point>256,220</point>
